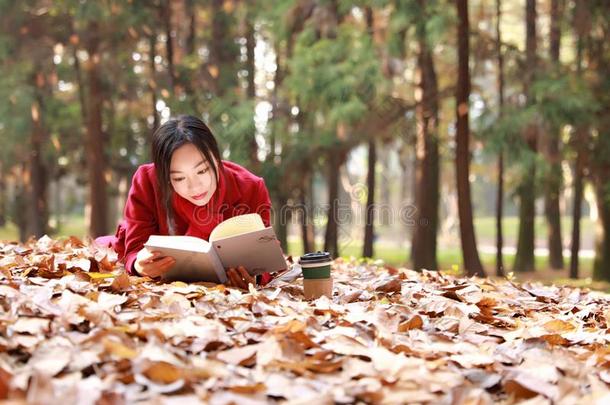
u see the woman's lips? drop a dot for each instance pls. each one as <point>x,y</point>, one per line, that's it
<point>199,196</point>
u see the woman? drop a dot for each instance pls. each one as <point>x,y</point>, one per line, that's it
<point>187,190</point>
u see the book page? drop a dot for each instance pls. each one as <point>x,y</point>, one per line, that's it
<point>190,243</point>
<point>195,258</point>
<point>237,226</point>
<point>259,252</point>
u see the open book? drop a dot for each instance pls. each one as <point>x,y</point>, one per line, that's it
<point>239,241</point>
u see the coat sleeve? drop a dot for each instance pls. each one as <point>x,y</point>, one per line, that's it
<point>262,203</point>
<point>140,217</point>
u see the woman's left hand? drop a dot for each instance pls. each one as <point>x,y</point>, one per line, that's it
<point>240,278</point>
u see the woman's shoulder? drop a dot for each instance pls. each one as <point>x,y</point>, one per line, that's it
<point>144,178</point>
<point>240,174</point>
<point>145,172</point>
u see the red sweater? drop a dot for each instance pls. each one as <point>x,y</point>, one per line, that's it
<point>238,192</point>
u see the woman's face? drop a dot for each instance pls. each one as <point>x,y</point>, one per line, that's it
<point>191,175</point>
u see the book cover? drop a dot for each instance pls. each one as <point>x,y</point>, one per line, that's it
<point>238,241</point>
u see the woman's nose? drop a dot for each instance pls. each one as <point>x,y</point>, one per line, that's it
<point>194,183</point>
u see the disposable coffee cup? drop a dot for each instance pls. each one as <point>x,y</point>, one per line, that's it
<point>317,280</point>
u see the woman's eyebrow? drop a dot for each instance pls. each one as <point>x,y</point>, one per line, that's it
<point>194,167</point>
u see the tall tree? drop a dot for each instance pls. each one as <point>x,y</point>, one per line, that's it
<point>552,151</point>
<point>423,246</point>
<point>95,145</point>
<point>524,259</point>
<point>500,163</point>
<point>599,65</point>
<point>369,225</point>
<point>37,181</point>
<point>580,138</point>
<point>251,92</point>
<point>470,254</point>
<point>166,13</point>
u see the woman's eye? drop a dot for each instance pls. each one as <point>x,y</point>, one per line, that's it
<point>178,180</point>
<point>202,171</point>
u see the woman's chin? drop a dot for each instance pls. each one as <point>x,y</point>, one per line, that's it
<point>199,203</point>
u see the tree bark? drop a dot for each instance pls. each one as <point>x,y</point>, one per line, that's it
<point>3,214</point>
<point>166,11</point>
<point>152,43</point>
<point>306,214</point>
<point>369,230</point>
<point>37,185</point>
<point>331,237</point>
<point>500,164</point>
<point>472,262</point>
<point>192,15</point>
<point>282,218</point>
<point>250,44</point>
<point>601,264</point>
<point>579,141</point>
<point>21,198</point>
<point>95,138</point>
<point>524,260</point>
<point>553,181</point>
<point>423,246</point>
<point>369,220</point>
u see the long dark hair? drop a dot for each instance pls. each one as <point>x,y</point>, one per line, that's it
<point>169,137</point>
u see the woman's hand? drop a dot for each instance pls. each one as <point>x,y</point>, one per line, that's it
<point>240,278</point>
<point>152,263</point>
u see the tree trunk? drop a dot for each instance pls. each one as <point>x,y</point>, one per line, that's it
<point>369,231</point>
<point>166,11</point>
<point>601,265</point>
<point>81,86</point>
<point>553,181</point>
<point>423,246</point>
<point>282,218</point>
<point>20,217</point>
<point>500,193</point>
<point>37,218</point>
<point>152,43</point>
<point>250,44</point>
<point>2,195</point>
<point>579,141</point>
<point>577,209</point>
<point>306,215</point>
<point>95,138</point>
<point>524,260</point>
<point>331,237</point>
<point>472,262</point>
<point>192,16</point>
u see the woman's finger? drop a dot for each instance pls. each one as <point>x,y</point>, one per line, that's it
<point>155,256</point>
<point>245,276</point>
<point>233,277</point>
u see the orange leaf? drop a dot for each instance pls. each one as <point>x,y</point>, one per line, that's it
<point>414,323</point>
<point>163,372</point>
<point>558,326</point>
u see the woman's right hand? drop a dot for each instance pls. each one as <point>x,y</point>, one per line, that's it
<point>152,263</point>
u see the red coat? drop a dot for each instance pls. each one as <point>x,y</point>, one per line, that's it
<point>238,192</point>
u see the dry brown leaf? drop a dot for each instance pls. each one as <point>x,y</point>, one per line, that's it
<point>386,335</point>
<point>245,355</point>
<point>5,383</point>
<point>119,350</point>
<point>163,372</point>
<point>558,326</point>
<point>121,283</point>
<point>415,322</point>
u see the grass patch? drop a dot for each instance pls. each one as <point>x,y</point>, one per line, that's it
<point>449,258</point>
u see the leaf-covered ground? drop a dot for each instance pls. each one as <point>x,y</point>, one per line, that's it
<point>76,328</point>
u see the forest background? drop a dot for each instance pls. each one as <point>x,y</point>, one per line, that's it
<point>469,136</point>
